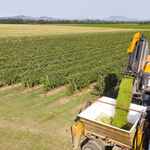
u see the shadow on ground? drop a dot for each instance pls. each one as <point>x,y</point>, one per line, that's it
<point>86,140</point>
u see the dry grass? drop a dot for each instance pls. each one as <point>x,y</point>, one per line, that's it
<point>65,100</point>
<point>8,30</point>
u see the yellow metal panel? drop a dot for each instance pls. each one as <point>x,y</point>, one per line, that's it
<point>77,129</point>
<point>148,58</point>
<point>141,134</point>
<point>147,68</point>
<point>136,37</point>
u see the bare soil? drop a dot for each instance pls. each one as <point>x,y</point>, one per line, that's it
<point>65,100</point>
<point>6,96</point>
<point>10,86</point>
<point>55,91</point>
<point>30,89</point>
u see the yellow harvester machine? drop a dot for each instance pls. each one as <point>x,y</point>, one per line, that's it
<point>98,134</point>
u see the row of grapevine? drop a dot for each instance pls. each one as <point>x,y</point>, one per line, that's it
<point>78,59</point>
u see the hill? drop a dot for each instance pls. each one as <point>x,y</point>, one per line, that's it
<point>28,17</point>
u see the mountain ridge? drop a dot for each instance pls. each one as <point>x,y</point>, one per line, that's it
<point>30,18</point>
<point>111,18</point>
<point>121,18</point>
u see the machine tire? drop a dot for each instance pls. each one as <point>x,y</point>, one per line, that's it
<point>93,144</point>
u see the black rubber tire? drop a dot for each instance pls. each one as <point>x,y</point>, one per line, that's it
<point>93,144</point>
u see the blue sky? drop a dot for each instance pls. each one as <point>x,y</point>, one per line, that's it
<point>96,9</point>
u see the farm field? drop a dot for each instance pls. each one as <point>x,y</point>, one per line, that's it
<point>123,26</point>
<point>55,60</point>
<point>59,64</point>
<point>13,30</point>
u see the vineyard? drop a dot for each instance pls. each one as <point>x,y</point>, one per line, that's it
<point>55,60</point>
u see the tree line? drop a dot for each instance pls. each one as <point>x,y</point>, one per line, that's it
<point>21,21</point>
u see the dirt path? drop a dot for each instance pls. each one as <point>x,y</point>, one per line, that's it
<point>55,91</point>
<point>65,100</point>
<point>78,107</point>
<point>10,86</point>
<point>30,89</point>
<point>6,96</point>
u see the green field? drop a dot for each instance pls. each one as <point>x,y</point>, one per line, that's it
<point>58,63</point>
<point>31,120</point>
<point>56,60</point>
<point>125,26</point>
